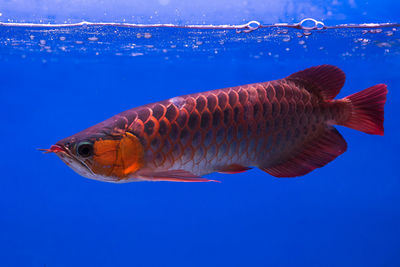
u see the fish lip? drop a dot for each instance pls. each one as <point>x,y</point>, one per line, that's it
<point>57,149</point>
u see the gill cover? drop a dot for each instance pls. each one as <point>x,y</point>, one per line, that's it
<point>117,158</point>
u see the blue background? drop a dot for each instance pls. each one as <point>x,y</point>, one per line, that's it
<point>345,214</point>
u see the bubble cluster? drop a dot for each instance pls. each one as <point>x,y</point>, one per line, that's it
<point>273,41</point>
<point>309,24</point>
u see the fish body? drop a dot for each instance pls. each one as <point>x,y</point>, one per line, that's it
<point>284,127</point>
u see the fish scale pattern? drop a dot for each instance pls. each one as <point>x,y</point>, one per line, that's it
<point>252,125</point>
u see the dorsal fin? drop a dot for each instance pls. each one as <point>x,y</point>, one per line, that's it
<point>314,154</point>
<point>324,80</point>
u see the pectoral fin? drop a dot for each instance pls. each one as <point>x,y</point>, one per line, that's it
<point>174,176</point>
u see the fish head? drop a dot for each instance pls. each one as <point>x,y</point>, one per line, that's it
<point>101,154</point>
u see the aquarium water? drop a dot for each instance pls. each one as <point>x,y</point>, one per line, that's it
<point>60,76</point>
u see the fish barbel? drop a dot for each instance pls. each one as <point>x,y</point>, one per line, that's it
<point>284,127</point>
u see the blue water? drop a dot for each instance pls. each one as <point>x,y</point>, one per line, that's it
<point>56,82</point>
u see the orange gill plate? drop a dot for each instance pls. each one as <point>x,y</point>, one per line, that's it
<point>117,158</point>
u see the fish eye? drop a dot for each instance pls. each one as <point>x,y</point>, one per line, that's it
<point>85,149</point>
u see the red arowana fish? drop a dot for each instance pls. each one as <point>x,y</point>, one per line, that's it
<point>284,127</point>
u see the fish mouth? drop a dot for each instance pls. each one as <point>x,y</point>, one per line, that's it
<point>70,159</point>
<point>53,149</point>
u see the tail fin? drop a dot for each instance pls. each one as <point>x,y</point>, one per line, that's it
<point>367,113</point>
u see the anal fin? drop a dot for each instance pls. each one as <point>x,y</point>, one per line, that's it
<point>314,154</point>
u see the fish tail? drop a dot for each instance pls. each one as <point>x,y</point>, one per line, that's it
<point>367,112</point>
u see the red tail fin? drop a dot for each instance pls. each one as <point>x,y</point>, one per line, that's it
<point>367,114</point>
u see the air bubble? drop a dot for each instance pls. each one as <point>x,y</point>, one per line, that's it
<point>93,38</point>
<point>136,54</point>
<point>375,31</point>
<point>286,39</point>
<point>199,43</point>
<point>251,26</point>
<point>389,33</point>
<point>62,38</point>
<point>299,34</point>
<point>301,42</point>
<point>147,35</point>
<point>384,44</point>
<point>364,41</point>
<point>138,35</point>
<point>307,33</point>
<point>79,42</point>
